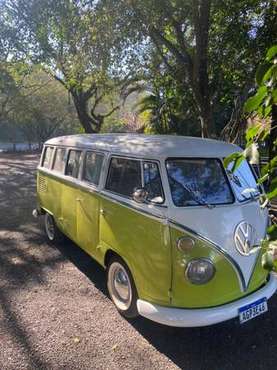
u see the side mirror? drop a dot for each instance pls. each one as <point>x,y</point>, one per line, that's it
<point>140,196</point>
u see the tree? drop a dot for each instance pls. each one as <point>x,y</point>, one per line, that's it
<point>39,109</point>
<point>262,107</point>
<point>42,110</point>
<point>209,47</point>
<point>244,30</point>
<point>170,26</point>
<point>171,109</point>
<point>180,32</point>
<point>68,39</point>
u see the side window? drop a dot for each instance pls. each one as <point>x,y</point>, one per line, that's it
<point>92,168</point>
<point>73,163</point>
<point>124,176</point>
<point>47,157</point>
<point>60,159</point>
<point>152,182</point>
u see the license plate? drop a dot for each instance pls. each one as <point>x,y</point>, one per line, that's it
<point>252,310</point>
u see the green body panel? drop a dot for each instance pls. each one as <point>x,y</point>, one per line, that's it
<point>88,222</point>
<point>224,287</point>
<point>60,200</point>
<point>144,244</point>
<point>68,209</point>
<point>147,244</point>
<point>75,209</point>
<point>259,275</point>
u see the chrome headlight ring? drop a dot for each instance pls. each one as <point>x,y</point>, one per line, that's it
<point>200,271</point>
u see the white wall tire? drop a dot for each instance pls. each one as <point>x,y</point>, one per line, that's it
<point>52,232</point>
<point>121,288</point>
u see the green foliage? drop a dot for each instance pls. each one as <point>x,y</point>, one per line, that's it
<point>266,76</point>
<point>73,44</point>
<point>242,29</point>
<point>90,47</point>
<point>235,159</point>
<point>254,102</point>
<point>271,53</point>
<point>12,79</point>
<point>262,105</point>
<point>37,106</point>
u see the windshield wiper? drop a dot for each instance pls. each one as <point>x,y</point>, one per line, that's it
<point>201,202</point>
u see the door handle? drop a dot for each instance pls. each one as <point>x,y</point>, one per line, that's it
<point>79,199</point>
<point>102,212</point>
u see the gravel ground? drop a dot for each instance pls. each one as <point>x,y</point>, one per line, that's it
<point>55,312</point>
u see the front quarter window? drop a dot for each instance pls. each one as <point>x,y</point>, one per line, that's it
<point>243,181</point>
<point>152,182</point>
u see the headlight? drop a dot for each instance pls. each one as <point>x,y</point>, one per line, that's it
<point>200,271</point>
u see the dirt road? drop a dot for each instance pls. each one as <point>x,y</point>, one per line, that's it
<point>55,312</point>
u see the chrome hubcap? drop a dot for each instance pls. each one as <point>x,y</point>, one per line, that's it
<point>119,286</point>
<point>49,227</point>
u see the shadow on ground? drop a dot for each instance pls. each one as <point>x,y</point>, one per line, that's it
<point>21,268</point>
<point>227,345</point>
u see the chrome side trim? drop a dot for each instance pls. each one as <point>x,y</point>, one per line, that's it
<point>80,184</point>
<point>128,205</point>
<point>219,249</point>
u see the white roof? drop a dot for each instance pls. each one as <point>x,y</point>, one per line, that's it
<point>148,146</point>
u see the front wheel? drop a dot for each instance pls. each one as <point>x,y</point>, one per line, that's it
<point>121,288</point>
<point>52,232</point>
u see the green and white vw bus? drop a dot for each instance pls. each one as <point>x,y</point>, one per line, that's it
<point>178,235</point>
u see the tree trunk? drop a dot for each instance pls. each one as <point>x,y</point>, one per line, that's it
<point>205,123</point>
<point>200,82</point>
<point>205,113</point>
<point>82,109</point>
<point>206,119</point>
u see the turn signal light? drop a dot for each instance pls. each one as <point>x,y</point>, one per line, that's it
<point>185,244</point>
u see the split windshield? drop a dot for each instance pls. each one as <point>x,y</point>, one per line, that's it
<point>204,182</point>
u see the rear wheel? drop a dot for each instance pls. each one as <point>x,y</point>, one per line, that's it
<point>121,288</point>
<point>52,232</point>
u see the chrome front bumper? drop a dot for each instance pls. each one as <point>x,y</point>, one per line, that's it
<point>204,316</point>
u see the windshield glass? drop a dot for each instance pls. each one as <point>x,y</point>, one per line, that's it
<point>198,181</point>
<point>243,181</point>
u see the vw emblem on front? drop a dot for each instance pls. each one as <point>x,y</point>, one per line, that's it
<point>245,238</point>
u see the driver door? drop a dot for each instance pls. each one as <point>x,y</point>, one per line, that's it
<point>136,231</point>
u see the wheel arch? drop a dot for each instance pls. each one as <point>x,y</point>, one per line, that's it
<point>110,253</point>
<point>46,210</point>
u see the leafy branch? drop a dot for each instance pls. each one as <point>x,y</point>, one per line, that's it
<point>262,109</point>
